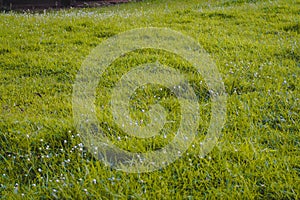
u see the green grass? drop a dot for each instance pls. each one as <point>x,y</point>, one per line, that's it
<point>255,44</point>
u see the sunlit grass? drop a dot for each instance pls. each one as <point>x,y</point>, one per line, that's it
<point>255,45</point>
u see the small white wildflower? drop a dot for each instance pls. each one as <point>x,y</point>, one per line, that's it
<point>284,82</point>
<point>16,189</point>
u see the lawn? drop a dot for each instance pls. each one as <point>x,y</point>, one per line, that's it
<point>255,47</point>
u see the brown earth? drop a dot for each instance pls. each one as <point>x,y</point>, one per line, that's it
<point>32,5</point>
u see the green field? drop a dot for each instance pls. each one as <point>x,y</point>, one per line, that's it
<point>255,45</point>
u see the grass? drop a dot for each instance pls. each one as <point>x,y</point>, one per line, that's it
<point>255,44</point>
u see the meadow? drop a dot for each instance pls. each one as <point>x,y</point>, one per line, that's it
<point>255,45</point>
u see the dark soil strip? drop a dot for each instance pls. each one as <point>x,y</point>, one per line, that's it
<point>54,5</point>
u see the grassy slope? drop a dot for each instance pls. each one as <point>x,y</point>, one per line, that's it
<point>256,48</point>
